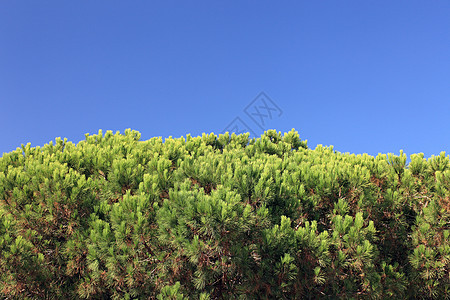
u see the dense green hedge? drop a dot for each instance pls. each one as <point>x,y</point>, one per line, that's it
<point>225,216</point>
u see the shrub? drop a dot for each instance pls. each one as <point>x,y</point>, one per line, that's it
<point>221,217</point>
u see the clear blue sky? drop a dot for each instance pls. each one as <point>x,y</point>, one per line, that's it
<point>364,76</point>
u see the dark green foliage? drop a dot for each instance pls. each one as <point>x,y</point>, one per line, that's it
<point>221,217</point>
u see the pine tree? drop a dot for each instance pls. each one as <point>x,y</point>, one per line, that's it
<point>221,217</point>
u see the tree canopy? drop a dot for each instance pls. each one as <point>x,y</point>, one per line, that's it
<point>221,217</point>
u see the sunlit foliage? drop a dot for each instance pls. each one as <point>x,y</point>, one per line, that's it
<point>221,217</point>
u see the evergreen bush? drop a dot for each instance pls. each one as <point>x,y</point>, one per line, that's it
<point>221,217</point>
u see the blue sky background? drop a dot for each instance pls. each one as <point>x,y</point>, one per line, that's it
<point>364,76</point>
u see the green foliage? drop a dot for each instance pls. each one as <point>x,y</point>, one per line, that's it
<point>221,217</point>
